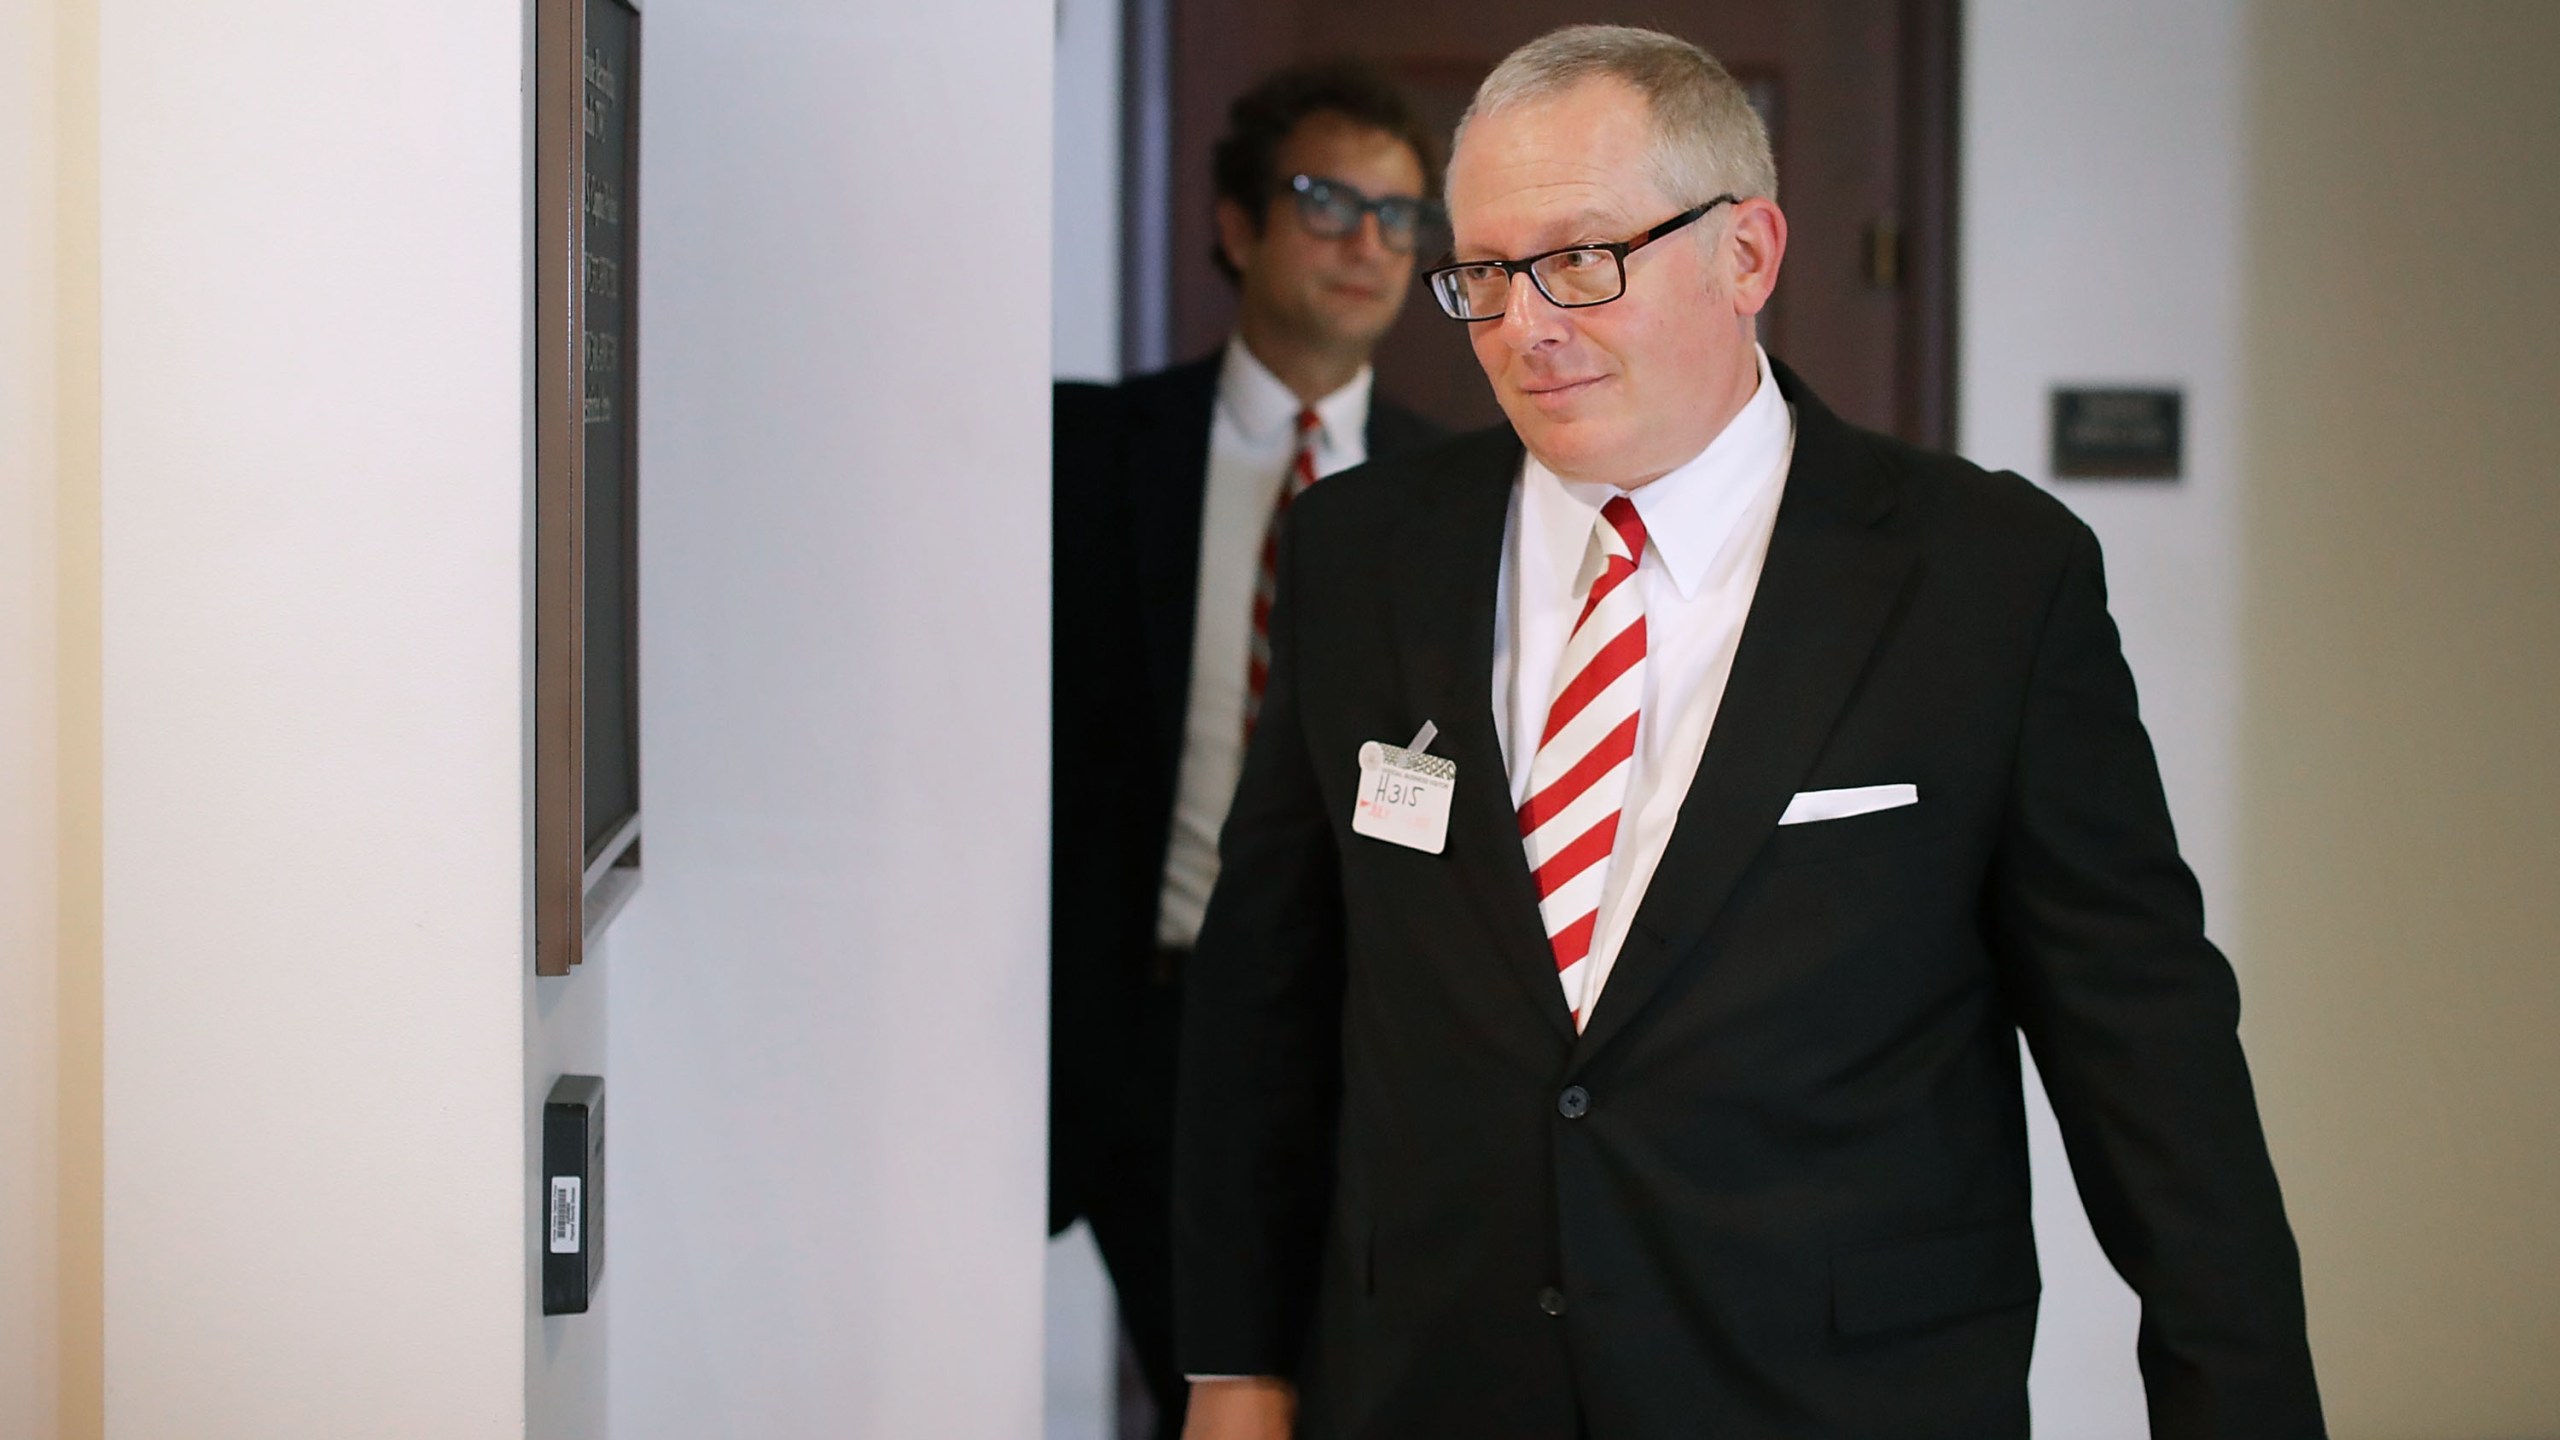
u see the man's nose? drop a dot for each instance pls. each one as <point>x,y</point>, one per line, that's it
<point>1529,318</point>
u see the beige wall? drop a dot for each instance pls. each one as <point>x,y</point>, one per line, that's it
<point>80,906</point>
<point>2401,754</point>
<point>49,897</point>
<point>28,1325</point>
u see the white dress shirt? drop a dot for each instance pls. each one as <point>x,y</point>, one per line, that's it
<point>1253,436</point>
<point>1707,527</point>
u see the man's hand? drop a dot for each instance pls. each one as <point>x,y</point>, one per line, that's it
<point>1255,1408</point>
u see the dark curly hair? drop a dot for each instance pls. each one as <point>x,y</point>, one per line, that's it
<point>1244,166</point>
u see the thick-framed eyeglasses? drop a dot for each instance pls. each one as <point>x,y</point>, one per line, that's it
<point>1331,210</point>
<point>1571,278</point>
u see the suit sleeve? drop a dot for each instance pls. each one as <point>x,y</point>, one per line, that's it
<point>1261,1049</point>
<point>1090,608</point>
<point>2132,1017</point>
<point>1089,776</point>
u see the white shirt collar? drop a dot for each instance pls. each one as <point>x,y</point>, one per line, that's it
<point>1265,410</point>
<point>1688,513</point>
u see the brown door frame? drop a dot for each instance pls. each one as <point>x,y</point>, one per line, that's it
<point>1932,91</point>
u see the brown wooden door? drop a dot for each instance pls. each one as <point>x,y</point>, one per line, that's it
<point>1859,95</point>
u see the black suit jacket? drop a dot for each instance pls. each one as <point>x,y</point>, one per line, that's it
<point>1789,1194</point>
<point>1131,464</point>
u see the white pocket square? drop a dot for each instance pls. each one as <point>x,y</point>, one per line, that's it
<point>1810,805</point>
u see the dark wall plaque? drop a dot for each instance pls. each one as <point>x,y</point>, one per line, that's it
<point>2119,434</point>
<point>586,635</point>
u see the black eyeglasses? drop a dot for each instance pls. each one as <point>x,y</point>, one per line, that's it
<point>1570,278</point>
<point>1331,210</point>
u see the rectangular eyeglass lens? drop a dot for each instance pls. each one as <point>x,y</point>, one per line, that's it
<point>1580,277</point>
<point>1484,288</point>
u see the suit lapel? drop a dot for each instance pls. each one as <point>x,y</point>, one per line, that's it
<point>1828,590</point>
<point>1444,618</point>
<point>1167,464</point>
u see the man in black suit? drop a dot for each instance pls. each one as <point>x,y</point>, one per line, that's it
<point>1666,814</point>
<point>1167,490</point>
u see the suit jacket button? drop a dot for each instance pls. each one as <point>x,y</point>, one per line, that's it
<point>1574,1103</point>
<point>1551,1300</point>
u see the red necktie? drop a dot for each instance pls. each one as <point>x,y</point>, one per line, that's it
<point>1302,473</point>
<point>1578,778</point>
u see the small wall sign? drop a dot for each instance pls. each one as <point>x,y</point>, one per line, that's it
<point>2119,434</point>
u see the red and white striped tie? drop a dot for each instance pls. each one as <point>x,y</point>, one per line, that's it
<point>1266,584</point>
<point>1578,778</point>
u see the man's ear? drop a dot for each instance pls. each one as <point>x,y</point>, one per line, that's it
<point>1756,243</point>
<point>1237,234</point>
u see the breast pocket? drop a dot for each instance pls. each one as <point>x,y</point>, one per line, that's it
<point>1877,830</point>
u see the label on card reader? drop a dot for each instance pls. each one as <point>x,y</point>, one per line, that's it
<point>1404,794</point>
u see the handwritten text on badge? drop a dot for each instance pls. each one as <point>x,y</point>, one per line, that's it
<point>1404,794</point>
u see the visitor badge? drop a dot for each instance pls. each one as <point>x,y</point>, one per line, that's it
<point>1404,794</point>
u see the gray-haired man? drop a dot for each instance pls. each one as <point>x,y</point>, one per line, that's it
<point>1666,813</point>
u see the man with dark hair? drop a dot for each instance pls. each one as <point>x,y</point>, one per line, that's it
<point>1169,492</point>
<point>1262,121</point>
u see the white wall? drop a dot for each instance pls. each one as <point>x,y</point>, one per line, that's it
<point>29,1329</point>
<point>829,1011</point>
<point>1084,335</point>
<point>313,472</point>
<point>2102,244</point>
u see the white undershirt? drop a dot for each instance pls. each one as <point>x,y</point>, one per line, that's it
<point>1252,438</point>
<point>1707,525</point>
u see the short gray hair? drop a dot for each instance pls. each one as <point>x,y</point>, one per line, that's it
<point>1707,140</point>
